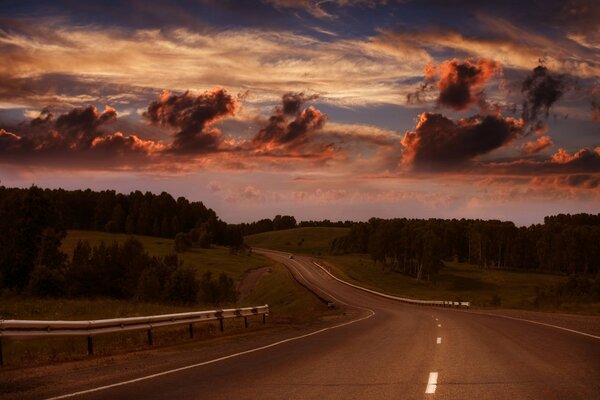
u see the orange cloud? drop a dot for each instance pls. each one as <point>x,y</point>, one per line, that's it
<point>536,146</point>
<point>460,83</point>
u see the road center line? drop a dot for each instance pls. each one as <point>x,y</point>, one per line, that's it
<point>432,383</point>
<point>439,340</point>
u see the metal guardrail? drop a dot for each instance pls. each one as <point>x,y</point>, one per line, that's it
<point>31,329</point>
<point>435,303</point>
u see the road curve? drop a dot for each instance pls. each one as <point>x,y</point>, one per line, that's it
<point>390,350</point>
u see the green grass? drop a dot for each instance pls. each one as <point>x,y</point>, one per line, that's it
<point>455,281</point>
<point>299,240</point>
<point>288,301</point>
<point>216,259</point>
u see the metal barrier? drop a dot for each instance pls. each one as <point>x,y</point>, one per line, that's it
<point>30,329</point>
<point>435,303</point>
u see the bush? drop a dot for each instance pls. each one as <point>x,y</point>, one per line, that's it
<point>183,286</point>
<point>221,290</point>
<point>47,282</point>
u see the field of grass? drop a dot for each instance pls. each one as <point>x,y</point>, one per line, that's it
<point>455,281</point>
<point>216,259</point>
<point>299,240</point>
<point>288,301</point>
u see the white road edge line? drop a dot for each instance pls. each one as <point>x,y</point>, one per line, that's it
<point>537,323</point>
<point>432,383</point>
<point>439,340</point>
<point>172,371</point>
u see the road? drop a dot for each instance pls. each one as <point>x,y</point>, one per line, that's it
<point>390,350</point>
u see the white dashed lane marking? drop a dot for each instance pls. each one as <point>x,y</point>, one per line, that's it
<point>432,383</point>
<point>439,340</point>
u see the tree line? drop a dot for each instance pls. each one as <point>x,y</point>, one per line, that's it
<point>135,213</point>
<point>33,224</point>
<point>563,244</point>
<point>281,222</point>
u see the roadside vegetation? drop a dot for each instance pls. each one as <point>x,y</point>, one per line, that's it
<point>485,285</point>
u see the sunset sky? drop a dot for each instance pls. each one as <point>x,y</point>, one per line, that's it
<point>339,109</point>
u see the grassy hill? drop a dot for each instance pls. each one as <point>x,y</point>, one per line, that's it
<point>299,240</point>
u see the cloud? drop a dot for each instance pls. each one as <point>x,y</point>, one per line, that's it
<point>440,143</point>
<point>192,115</point>
<point>595,111</point>
<point>536,146</point>
<point>118,143</point>
<point>460,83</point>
<point>75,129</point>
<point>583,161</point>
<point>289,127</point>
<point>541,90</point>
<point>75,139</point>
<point>51,60</point>
<point>315,7</point>
<point>574,181</point>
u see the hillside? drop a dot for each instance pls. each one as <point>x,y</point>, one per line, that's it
<point>483,287</point>
<point>298,240</point>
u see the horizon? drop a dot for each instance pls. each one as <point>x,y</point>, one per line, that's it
<point>298,220</point>
<point>340,110</point>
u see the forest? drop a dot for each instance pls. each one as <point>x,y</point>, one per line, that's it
<point>33,223</point>
<point>563,244</point>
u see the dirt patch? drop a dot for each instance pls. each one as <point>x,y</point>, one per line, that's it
<point>250,279</point>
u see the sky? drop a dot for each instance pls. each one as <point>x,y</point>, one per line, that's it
<point>328,109</point>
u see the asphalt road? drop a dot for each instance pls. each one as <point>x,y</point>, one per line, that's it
<point>391,350</point>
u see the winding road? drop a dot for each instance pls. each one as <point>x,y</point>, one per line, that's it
<point>388,350</point>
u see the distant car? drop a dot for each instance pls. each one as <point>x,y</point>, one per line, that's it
<point>291,256</point>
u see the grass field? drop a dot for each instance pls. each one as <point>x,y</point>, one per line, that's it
<point>288,301</point>
<point>455,281</point>
<point>217,259</point>
<point>299,240</point>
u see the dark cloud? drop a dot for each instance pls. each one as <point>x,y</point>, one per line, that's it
<point>583,161</point>
<point>541,90</point>
<point>595,111</point>
<point>192,116</point>
<point>293,102</point>
<point>459,83</point>
<point>439,142</point>
<point>75,129</point>
<point>282,130</point>
<point>74,139</point>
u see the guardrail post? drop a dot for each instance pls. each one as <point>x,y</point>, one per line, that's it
<point>221,323</point>
<point>264,318</point>
<point>1,358</point>
<point>90,345</point>
<point>245,322</point>
<point>150,339</point>
<point>191,330</point>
